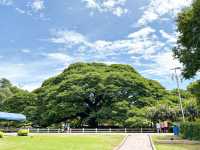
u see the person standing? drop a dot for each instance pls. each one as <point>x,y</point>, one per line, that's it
<point>165,126</point>
<point>158,127</point>
<point>162,127</point>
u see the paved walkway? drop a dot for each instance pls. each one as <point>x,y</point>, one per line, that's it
<point>137,142</point>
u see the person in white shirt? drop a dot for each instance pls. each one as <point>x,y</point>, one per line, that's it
<point>158,127</point>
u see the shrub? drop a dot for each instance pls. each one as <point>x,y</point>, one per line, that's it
<point>1,134</point>
<point>23,132</point>
<point>190,130</point>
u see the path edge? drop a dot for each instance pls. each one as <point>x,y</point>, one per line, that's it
<point>152,143</point>
<point>122,143</point>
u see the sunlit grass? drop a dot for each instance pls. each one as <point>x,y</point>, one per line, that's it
<point>74,142</point>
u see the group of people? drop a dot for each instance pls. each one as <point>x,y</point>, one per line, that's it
<point>162,127</point>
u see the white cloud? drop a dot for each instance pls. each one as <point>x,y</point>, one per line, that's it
<point>170,37</point>
<point>142,33</point>
<point>37,5</point>
<point>161,64</point>
<point>143,42</point>
<point>21,11</point>
<point>158,8</point>
<point>116,7</point>
<point>98,49</point>
<point>30,86</point>
<point>69,37</point>
<point>25,50</point>
<point>59,57</point>
<point>6,2</point>
<point>30,75</point>
<point>141,45</point>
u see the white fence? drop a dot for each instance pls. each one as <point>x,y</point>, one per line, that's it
<point>86,130</point>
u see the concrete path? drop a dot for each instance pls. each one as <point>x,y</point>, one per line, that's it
<point>137,142</point>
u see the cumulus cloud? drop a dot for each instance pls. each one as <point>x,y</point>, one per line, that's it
<point>144,44</point>
<point>170,37</point>
<point>59,57</point>
<point>161,64</point>
<point>158,8</point>
<point>68,37</point>
<point>37,5</point>
<point>116,7</point>
<point>25,50</point>
<point>143,41</point>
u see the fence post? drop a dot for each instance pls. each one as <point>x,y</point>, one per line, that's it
<point>83,130</point>
<point>125,130</point>
<point>96,130</point>
<point>48,130</point>
<point>141,130</point>
<point>38,130</point>
<point>110,130</point>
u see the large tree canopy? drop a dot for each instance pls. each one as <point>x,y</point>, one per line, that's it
<point>95,94</point>
<point>188,44</point>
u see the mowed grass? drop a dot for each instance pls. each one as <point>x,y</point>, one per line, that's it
<point>73,142</point>
<point>177,147</point>
<point>173,146</point>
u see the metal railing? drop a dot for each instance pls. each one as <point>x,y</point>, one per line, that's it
<point>84,130</point>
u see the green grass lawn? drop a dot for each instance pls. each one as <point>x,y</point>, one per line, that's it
<point>173,146</point>
<point>177,147</point>
<point>73,142</point>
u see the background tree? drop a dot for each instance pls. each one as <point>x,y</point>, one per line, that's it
<point>6,90</point>
<point>188,44</point>
<point>194,89</point>
<point>162,113</point>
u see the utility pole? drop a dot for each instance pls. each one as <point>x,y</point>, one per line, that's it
<point>179,92</point>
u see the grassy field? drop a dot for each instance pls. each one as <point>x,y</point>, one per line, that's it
<point>177,147</point>
<point>74,142</point>
<point>173,146</point>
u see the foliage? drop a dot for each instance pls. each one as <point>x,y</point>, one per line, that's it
<point>15,100</point>
<point>95,94</point>
<point>188,44</point>
<point>137,122</point>
<point>137,118</point>
<point>194,88</point>
<point>190,130</point>
<point>6,90</point>
<point>22,102</point>
<point>191,109</point>
<point>23,132</point>
<point>162,113</point>
<point>1,134</point>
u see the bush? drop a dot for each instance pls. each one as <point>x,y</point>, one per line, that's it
<point>1,134</point>
<point>23,132</point>
<point>190,130</point>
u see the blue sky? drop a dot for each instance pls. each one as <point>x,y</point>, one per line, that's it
<point>39,38</point>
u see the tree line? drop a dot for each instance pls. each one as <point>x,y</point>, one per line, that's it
<point>99,95</point>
